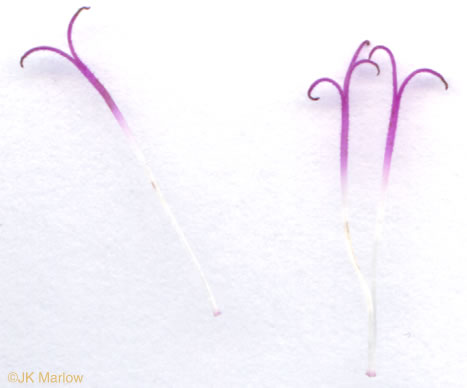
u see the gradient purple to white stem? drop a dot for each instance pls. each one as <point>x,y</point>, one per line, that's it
<point>344,152</point>
<point>397,93</point>
<point>75,60</point>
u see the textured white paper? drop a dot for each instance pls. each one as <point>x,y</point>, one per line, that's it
<point>93,279</point>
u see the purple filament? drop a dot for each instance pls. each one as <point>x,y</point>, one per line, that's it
<point>74,58</point>
<point>396,102</point>
<point>344,95</point>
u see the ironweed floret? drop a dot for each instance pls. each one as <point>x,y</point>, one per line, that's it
<point>369,289</point>
<point>76,60</point>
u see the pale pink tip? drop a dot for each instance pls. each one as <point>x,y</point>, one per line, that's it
<point>217,313</point>
<point>371,373</point>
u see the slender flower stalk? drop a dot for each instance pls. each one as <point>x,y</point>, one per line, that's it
<point>75,60</point>
<point>344,150</point>
<point>390,140</point>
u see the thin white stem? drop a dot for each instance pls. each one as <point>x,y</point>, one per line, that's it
<point>181,235</point>
<point>367,292</point>
<point>142,159</point>
<point>378,233</point>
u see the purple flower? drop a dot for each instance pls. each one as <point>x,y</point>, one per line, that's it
<point>76,60</point>
<point>368,291</point>
<point>344,151</point>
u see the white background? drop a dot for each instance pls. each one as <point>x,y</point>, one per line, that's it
<point>93,279</point>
